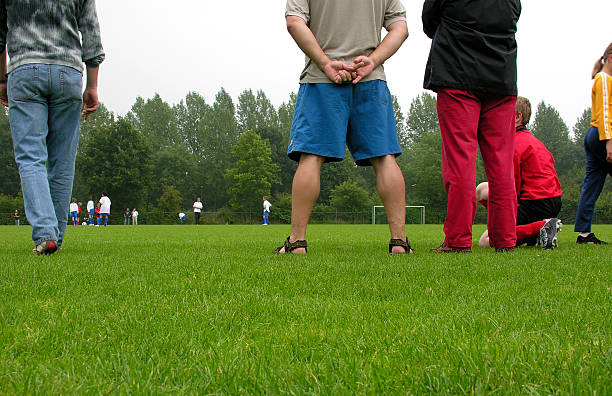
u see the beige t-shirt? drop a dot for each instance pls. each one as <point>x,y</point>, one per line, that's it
<point>345,29</point>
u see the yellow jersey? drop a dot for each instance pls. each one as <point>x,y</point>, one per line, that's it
<point>601,117</point>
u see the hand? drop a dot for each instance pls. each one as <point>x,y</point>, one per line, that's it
<point>362,66</point>
<point>3,95</point>
<point>90,101</point>
<point>337,71</point>
<point>609,150</point>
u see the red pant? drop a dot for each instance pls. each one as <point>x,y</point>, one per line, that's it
<point>469,120</point>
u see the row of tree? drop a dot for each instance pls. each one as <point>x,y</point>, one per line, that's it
<point>159,158</point>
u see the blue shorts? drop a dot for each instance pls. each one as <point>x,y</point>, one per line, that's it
<point>266,213</point>
<point>91,212</point>
<point>104,214</point>
<point>74,214</point>
<point>329,116</point>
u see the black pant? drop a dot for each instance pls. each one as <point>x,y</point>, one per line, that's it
<point>538,209</point>
<point>196,215</point>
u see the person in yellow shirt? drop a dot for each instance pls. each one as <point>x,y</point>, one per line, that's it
<point>598,148</point>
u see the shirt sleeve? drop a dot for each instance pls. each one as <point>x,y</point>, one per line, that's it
<point>298,8</point>
<point>93,53</point>
<point>395,12</point>
<point>603,92</point>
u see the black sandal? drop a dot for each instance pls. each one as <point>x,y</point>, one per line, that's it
<point>291,246</point>
<point>398,242</point>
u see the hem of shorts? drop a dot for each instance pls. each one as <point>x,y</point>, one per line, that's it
<point>366,160</point>
<point>295,156</point>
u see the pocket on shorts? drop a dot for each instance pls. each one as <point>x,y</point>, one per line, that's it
<point>71,83</point>
<point>23,83</point>
<point>380,92</point>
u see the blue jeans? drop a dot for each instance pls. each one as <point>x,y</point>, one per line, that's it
<point>44,111</point>
<point>597,168</point>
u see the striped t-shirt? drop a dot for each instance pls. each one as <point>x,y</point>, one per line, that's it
<point>602,105</point>
<point>47,31</point>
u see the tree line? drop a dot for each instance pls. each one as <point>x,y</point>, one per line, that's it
<point>159,157</point>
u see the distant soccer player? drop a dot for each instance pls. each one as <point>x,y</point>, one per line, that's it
<point>197,210</point>
<point>47,42</point>
<point>90,211</point>
<point>182,217</point>
<point>105,209</point>
<point>74,212</point>
<point>537,187</point>
<point>266,210</point>
<point>344,100</point>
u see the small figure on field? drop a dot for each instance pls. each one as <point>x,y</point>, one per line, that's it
<point>266,210</point>
<point>126,216</point>
<point>97,213</point>
<point>47,42</point>
<point>134,217</point>
<point>182,217</point>
<point>537,187</point>
<point>472,67</point>
<point>16,217</point>
<point>197,210</point>
<point>344,100</point>
<point>74,212</point>
<point>105,209</point>
<point>80,204</point>
<point>597,147</point>
<point>90,211</point>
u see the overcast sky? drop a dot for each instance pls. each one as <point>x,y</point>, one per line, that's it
<point>173,48</point>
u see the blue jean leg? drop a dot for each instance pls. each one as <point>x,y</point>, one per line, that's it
<point>597,168</point>
<point>44,111</point>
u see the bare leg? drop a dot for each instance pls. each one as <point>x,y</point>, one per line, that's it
<point>304,194</point>
<point>482,194</point>
<point>484,239</point>
<point>392,191</point>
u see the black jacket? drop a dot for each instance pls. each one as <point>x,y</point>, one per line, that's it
<point>473,46</point>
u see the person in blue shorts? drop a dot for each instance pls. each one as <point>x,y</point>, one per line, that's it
<point>344,100</point>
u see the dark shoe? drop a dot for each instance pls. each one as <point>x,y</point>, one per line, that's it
<point>504,250</point>
<point>548,234</point>
<point>444,248</point>
<point>291,246</point>
<point>398,242</point>
<point>46,247</point>
<point>590,239</point>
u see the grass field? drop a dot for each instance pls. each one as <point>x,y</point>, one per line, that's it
<point>209,309</point>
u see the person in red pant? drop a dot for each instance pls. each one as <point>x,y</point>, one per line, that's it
<point>472,67</point>
<point>537,187</point>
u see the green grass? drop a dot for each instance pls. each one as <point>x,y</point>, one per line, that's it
<point>209,309</point>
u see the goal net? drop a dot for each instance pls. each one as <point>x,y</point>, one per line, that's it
<point>414,215</point>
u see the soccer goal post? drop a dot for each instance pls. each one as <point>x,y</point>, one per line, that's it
<point>381,211</point>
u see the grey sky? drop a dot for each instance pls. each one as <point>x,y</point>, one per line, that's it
<point>202,45</point>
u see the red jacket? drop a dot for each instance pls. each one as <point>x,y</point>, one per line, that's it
<point>534,168</point>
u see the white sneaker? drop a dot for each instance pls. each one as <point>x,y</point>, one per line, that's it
<point>548,234</point>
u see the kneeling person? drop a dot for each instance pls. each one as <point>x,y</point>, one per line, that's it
<point>537,187</point>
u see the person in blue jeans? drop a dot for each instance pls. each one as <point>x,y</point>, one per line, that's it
<point>44,94</point>
<point>597,147</point>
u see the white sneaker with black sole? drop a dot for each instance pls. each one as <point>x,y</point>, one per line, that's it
<point>548,234</point>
